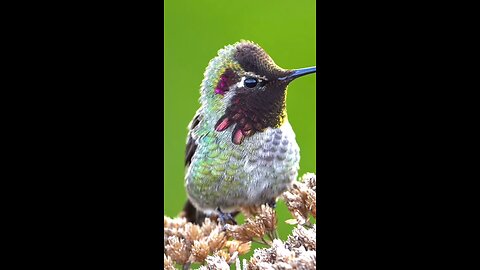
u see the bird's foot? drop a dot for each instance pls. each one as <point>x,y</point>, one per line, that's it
<point>272,203</point>
<point>224,218</point>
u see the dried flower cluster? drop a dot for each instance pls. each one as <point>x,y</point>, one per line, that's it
<point>218,247</point>
<point>256,227</point>
<point>301,199</point>
<point>187,243</point>
<point>298,252</point>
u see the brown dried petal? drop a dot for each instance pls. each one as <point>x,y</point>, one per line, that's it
<point>246,232</point>
<point>244,248</point>
<point>200,251</point>
<point>232,246</point>
<point>268,218</point>
<point>237,246</point>
<point>192,232</point>
<point>301,200</point>
<point>217,240</point>
<point>177,250</point>
<point>296,205</point>
<point>168,263</point>
<point>208,226</point>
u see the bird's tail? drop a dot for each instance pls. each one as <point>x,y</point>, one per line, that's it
<point>192,214</point>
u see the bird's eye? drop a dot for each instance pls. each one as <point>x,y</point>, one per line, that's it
<point>250,82</point>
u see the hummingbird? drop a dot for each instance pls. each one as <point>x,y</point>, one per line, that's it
<point>241,149</point>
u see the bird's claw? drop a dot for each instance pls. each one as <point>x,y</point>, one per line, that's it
<point>224,218</point>
<point>272,204</point>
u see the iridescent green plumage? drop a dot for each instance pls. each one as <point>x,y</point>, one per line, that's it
<point>241,149</point>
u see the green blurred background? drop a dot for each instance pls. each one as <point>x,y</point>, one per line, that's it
<point>194,31</point>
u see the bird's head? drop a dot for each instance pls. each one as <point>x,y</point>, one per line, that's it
<point>244,88</point>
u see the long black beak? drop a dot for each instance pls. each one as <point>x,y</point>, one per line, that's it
<point>299,73</point>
